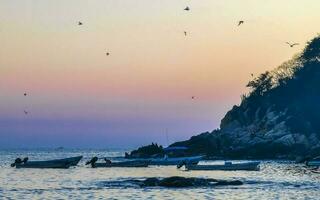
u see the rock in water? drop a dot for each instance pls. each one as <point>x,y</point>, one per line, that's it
<point>172,182</point>
<point>176,181</point>
<point>182,182</point>
<point>151,182</point>
<point>236,182</point>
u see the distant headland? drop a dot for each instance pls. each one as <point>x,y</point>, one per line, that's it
<point>278,119</point>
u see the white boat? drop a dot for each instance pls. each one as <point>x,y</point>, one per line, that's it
<point>315,162</point>
<point>175,161</point>
<point>133,163</point>
<point>227,166</point>
<point>57,163</point>
<point>121,164</point>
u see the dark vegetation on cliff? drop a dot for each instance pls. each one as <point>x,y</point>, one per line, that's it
<point>146,151</point>
<point>278,118</point>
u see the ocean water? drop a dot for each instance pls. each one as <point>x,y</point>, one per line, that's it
<point>276,180</point>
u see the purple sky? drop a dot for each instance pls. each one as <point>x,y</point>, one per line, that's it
<point>79,97</point>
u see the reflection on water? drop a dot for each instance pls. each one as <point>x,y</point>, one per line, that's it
<point>276,180</point>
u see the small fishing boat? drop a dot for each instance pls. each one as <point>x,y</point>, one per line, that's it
<point>108,163</point>
<point>227,166</point>
<point>122,164</point>
<point>315,162</point>
<point>57,163</point>
<point>175,161</point>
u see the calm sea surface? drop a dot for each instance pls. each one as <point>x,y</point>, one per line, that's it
<point>276,180</point>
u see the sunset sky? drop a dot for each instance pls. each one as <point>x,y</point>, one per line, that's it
<point>79,97</point>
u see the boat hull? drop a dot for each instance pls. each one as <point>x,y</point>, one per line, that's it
<point>43,165</point>
<point>176,161</point>
<point>313,163</point>
<point>122,164</point>
<point>55,164</point>
<point>252,166</point>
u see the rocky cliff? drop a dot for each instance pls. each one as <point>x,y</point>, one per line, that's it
<point>278,118</point>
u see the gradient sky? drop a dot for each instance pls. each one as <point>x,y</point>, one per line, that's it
<point>79,97</point>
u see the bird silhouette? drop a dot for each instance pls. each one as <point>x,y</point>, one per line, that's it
<point>107,53</point>
<point>185,33</point>
<point>292,45</point>
<point>193,97</point>
<point>252,75</point>
<point>80,23</point>
<point>25,94</point>
<point>240,22</point>
<point>187,8</point>
<point>26,112</point>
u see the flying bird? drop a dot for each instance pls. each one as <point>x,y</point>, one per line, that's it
<point>193,97</point>
<point>252,75</point>
<point>187,8</point>
<point>292,45</point>
<point>80,23</point>
<point>185,33</point>
<point>107,53</point>
<point>25,112</point>
<point>25,94</point>
<point>240,22</point>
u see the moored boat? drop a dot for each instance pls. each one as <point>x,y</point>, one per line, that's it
<point>227,166</point>
<point>315,162</point>
<point>56,163</point>
<point>175,161</point>
<point>108,163</point>
<point>73,161</point>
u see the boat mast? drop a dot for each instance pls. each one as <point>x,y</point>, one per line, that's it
<point>167,138</point>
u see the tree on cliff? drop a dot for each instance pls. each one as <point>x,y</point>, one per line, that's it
<point>279,116</point>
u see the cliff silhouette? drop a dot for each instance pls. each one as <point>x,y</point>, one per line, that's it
<point>278,118</point>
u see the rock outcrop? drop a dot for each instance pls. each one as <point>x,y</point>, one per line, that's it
<point>147,151</point>
<point>174,182</point>
<point>279,118</point>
